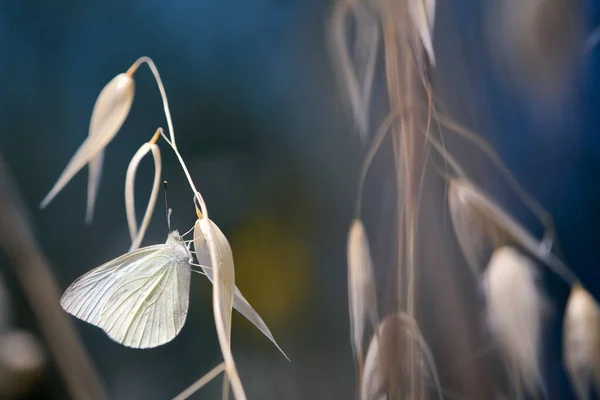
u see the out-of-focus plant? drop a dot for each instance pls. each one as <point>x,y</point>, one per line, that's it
<point>502,255</point>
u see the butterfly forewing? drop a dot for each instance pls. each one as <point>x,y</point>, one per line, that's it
<point>139,299</point>
<point>149,306</point>
<point>85,297</point>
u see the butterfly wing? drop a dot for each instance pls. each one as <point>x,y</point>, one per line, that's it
<point>86,296</point>
<point>149,305</point>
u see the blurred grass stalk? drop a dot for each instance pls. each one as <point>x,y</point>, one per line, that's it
<point>34,274</point>
<point>406,28</point>
<point>428,265</point>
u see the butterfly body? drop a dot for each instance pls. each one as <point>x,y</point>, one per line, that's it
<point>140,299</point>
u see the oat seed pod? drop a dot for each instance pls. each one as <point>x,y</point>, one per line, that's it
<point>355,67</point>
<point>111,109</point>
<point>22,363</point>
<point>239,301</point>
<point>516,309</point>
<point>386,373</point>
<point>221,258</point>
<point>422,14</point>
<point>582,342</point>
<point>481,226</point>
<point>361,289</point>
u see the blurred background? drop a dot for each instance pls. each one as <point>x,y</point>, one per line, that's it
<point>268,140</point>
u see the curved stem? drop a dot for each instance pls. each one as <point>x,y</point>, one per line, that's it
<point>534,206</point>
<point>132,70</point>
<point>197,194</point>
<point>171,140</point>
<point>137,237</point>
<point>379,137</point>
<point>378,140</point>
<point>343,62</point>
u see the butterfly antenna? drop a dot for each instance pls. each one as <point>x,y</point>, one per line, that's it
<point>168,210</point>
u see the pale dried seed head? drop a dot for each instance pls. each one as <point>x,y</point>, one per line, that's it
<point>516,308</point>
<point>113,105</point>
<point>361,288</point>
<point>366,47</point>
<point>372,379</point>
<point>470,226</point>
<point>221,258</point>
<point>539,44</point>
<point>582,342</point>
<point>223,270</point>
<point>338,32</point>
<point>422,14</point>
<point>386,372</point>
<point>481,226</point>
<point>239,301</point>
<point>22,362</point>
<point>471,203</point>
<point>111,109</point>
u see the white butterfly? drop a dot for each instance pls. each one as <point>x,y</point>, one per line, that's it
<point>140,299</point>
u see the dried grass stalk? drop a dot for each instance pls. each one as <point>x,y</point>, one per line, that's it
<point>200,383</point>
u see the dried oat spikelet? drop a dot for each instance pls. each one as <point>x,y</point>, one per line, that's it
<point>239,301</point>
<point>422,14</point>
<point>355,69</point>
<point>361,289</point>
<point>516,308</point>
<point>110,111</point>
<point>539,43</point>
<point>386,374</point>
<point>221,258</point>
<point>582,342</point>
<point>481,226</point>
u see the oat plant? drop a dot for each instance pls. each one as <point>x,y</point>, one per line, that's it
<point>141,298</point>
<point>502,257</point>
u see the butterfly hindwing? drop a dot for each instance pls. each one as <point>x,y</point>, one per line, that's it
<point>149,307</point>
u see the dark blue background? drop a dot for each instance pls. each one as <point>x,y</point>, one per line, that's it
<point>264,131</point>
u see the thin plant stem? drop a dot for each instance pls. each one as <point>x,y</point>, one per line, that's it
<point>199,384</point>
<point>132,70</point>
<point>138,236</point>
<point>35,276</point>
